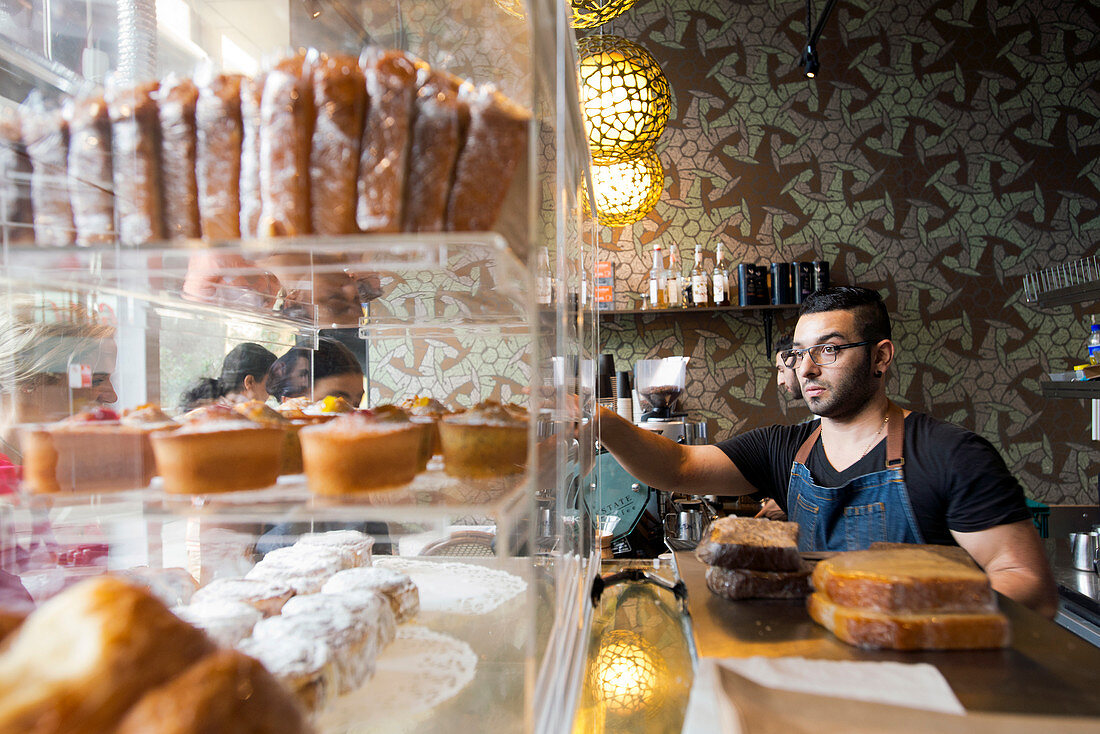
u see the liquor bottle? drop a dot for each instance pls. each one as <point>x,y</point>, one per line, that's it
<point>700,284</point>
<point>720,280</point>
<point>658,289</point>
<point>544,280</point>
<point>672,278</point>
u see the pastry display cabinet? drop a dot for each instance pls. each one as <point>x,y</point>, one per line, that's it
<point>502,559</point>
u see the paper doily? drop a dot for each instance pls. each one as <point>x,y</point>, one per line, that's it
<point>457,588</point>
<point>418,671</point>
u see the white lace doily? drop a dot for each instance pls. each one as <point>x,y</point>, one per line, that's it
<point>418,671</point>
<point>457,588</point>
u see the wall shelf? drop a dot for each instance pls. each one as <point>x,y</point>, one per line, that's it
<point>1080,389</point>
<point>767,315</point>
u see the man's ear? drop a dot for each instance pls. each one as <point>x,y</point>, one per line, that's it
<point>882,356</point>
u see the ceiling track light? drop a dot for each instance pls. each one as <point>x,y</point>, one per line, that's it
<point>810,62</point>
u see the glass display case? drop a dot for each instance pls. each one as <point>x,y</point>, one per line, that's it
<point>118,340</point>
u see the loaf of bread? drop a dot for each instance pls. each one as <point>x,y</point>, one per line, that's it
<point>436,136</point>
<point>391,88</point>
<point>496,142</point>
<point>84,657</point>
<point>904,580</point>
<point>757,544</point>
<point>91,183</point>
<point>286,130</point>
<point>225,692</point>
<point>921,631</point>
<point>135,133</point>
<point>740,583</point>
<point>45,134</point>
<point>179,157</point>
<point>16,215</point>
<point>252,91</point>
<point>339,96</point>
<point>218,156</point>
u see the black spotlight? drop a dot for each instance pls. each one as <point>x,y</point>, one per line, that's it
<point>809,62</point>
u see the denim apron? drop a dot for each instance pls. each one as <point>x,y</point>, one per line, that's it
<point>872,507</point>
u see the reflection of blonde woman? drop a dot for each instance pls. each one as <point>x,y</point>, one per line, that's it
<point>35,358</point>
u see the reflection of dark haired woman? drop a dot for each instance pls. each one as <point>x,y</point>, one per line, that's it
<point>244,375</point>
<point>335,371</point>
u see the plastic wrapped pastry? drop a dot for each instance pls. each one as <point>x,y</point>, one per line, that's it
<point>740,583</point>
<point>496,141</point>
<point>436,137</point>
<point>251,94</point>
<point>218,164</point>
<point>339,95</point>
<point>743,542</point>
<point>136,138</point>
<point>15,175</point>
<point>286,125</point>
<point>178,100</point>
<point>91,184</point>
<point>46,137</point>
<point>391,88</point>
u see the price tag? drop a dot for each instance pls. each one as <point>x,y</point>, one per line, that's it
<point>80,375</point>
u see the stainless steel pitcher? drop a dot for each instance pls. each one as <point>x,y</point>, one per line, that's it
<point>1084,549</point>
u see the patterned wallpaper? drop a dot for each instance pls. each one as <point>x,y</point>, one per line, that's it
<point>944,150</point>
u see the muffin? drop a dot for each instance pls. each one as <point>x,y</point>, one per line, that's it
<point>489,440</point>
<point>259,412</point>
<point>361,452</point>
<point>218,455</point>
<point>422,409</point>
<point>92,451</point>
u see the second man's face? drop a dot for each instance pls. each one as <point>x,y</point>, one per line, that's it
<point>786,379</point>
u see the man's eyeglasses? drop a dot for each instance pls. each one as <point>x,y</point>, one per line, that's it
<point>821,354</point>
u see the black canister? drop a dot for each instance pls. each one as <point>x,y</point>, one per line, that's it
<point>745,277</point>
<point>781,284</point>
<point>802,280</point>
<point>761,296</point>
<point>821,274</point>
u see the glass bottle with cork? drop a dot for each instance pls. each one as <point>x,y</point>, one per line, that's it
<point>672,278</point>
<point>658,288</point>
<point>720,279</point>
<point>700,284</point>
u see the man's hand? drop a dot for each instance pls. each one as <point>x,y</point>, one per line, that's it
<point>771,511</point>
<point>227,279</point>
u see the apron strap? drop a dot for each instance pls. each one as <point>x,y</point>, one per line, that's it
<point>895,439</point>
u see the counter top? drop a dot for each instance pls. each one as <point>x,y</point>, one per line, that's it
<point>1047,670</point>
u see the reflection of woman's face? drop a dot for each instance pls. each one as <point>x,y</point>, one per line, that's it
<point>346,386</point>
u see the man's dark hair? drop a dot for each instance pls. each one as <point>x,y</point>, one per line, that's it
<point>785,342</point>
<point>872,320</point>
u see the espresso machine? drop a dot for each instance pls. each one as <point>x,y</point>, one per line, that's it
<point>644,521</point>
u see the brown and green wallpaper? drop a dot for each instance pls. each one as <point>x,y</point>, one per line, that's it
<point>944,150</point>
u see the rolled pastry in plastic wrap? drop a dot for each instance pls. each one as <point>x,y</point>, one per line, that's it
<point>339,95</point>
<point>436,137</point>
<point>741,583</point>
<point>46,137</point>
<point>15,177</point>
<point>91,184</point>
<point>391,88</point>
<point>496,141</point>
<point>178,100</point>
<point>218,159</point>
<point>286,127</point>
<point>136,136</point>
<point>251,93</point>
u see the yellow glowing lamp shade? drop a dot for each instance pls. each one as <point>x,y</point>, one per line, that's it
<point>628,673</point>
<point>625,97</point>
<point>627,191</point>
<point>586,13</point>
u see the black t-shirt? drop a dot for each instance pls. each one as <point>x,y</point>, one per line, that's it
<point>956,479</point>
